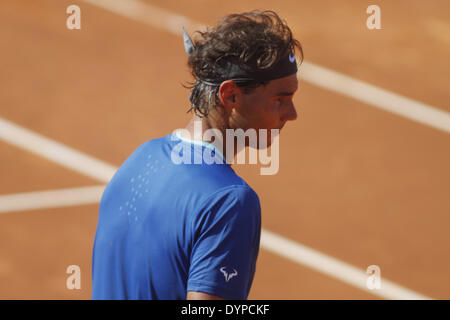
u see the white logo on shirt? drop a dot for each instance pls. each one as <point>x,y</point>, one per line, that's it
<point>228,276</point>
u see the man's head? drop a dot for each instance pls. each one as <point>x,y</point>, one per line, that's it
<point>245,72</point>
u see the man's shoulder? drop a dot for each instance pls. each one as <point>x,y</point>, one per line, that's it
<point>233,198</point>
<point>241,192</point>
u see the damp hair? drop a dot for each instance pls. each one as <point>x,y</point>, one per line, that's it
<point>254,40</point>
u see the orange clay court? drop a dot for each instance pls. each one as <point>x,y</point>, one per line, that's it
<point>356,183</point>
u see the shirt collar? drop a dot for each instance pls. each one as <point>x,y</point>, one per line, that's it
<point>201,143</point>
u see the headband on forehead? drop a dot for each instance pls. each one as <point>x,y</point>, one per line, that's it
<point>232,71</point>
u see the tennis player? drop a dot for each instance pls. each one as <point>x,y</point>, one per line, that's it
<point>170,230</point>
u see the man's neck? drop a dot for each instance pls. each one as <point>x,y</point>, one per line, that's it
<point>206,123</point>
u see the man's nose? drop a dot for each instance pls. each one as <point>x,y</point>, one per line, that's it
<point>291,113</point>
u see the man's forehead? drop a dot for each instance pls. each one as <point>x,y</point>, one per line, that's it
<point>286,84</point>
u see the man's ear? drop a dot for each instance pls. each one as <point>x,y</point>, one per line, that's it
<point>228,93</point>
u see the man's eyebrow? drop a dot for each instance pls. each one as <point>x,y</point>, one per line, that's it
<point>285,93</point>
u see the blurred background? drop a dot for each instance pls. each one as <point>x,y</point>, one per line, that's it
<point>364,176</point>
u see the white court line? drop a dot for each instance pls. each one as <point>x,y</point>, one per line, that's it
<point>55,151</point>
<point>309,72</point>
<point>102,171</point>
<point>50,199</point>
<point>148,14</point>
<point>333,267</point>
<point>375,96</point>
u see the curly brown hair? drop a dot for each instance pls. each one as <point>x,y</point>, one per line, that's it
<point>253,40</point>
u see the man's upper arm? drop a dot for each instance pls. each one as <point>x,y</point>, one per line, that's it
<point>226,243</point>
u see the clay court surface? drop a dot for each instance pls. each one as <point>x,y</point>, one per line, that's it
<point>356,183</point>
